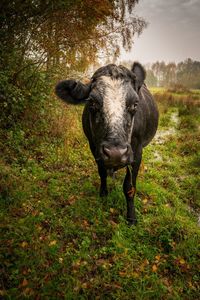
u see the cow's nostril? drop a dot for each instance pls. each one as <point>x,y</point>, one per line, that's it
<point>123,151</point>
<point>107,151</point>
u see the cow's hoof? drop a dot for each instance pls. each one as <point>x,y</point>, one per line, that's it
<point>131,222</point>
<point>103,193</point>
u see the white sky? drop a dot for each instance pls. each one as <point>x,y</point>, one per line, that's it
<point>173,33</point>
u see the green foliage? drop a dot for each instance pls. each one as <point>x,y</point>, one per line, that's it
<point>12,101</point>
<point>16,100</point>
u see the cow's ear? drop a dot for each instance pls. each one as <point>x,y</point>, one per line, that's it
<point>72,91</point>
<point>140,74</point>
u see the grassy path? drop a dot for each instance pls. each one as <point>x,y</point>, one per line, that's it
<point>59,240</point>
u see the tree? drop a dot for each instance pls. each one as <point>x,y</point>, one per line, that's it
<point>151,79</point>
<point>188,73</point>
<point>64,32</point>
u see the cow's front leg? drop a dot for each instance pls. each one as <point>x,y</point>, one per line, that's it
<point>129,192</point>
<point>103,176</point>
<point>129,188</point>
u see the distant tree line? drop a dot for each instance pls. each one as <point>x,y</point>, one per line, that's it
<point>185,73</point>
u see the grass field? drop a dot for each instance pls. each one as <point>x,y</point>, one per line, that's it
<point>59,240</point>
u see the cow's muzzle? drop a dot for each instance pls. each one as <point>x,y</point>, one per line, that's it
<point>116,156</point>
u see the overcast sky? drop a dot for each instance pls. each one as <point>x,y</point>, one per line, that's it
<point>173,33</point>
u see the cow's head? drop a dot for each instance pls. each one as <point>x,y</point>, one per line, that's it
<point>111,98</point>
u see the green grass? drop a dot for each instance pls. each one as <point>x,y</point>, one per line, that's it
<point>60,240</point>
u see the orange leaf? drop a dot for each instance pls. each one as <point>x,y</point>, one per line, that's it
<point>24,282</point>
<point>52,243</point>
<point>72,199</point>
<point>122,274</point>
<point>157,257</point>
<point>154,268</point>
<point>24,244</point>
<point>131,192</point>
<point>85,223</point>
<point>182,261</point>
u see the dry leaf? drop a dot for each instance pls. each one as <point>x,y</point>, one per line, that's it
<point>154,268</point>
<point>145,200</point>
<point>157,257</point>
<point>24,244</point>
<point>28,291</point>
<point>182,261</point>
<point>24,283</point>
<point>71,200</point>
<point>52,243</point>
<point>113,223</point>
<point>122,274</point>
<point>85,223</point>
<point>85,285</point>
<point>135,274</point>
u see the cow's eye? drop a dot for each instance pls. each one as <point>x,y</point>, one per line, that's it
<point>94,106</point>
<point>132,108</point>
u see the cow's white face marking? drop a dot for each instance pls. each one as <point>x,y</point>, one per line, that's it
<point>114,103</point>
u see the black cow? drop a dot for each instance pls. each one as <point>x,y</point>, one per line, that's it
<point>119,119</point>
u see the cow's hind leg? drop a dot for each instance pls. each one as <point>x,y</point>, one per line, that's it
<point>103,175</point>
<point>129,188</point>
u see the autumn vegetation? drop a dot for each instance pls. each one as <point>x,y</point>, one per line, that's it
<point>58,239</point>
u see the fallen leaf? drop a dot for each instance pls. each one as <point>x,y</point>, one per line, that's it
<point>38,227</point>
<point>146,262</point>
<point>94,236</point>
<point>122,274</point>
<point>113,223</point>
<point>24,282</point>
<point>28,291</point>
<point>182,261</point>
<point>135,274</point>
<point>85,285</point>
<point>154,268</point>
<point>157,257</point>
<point>85,223</point>
<point>52,243</point>
<point>145,200</point>
<point>35,213</point>
<point>24,244</point>
<point>100,261</point>
<point>71,200</point>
